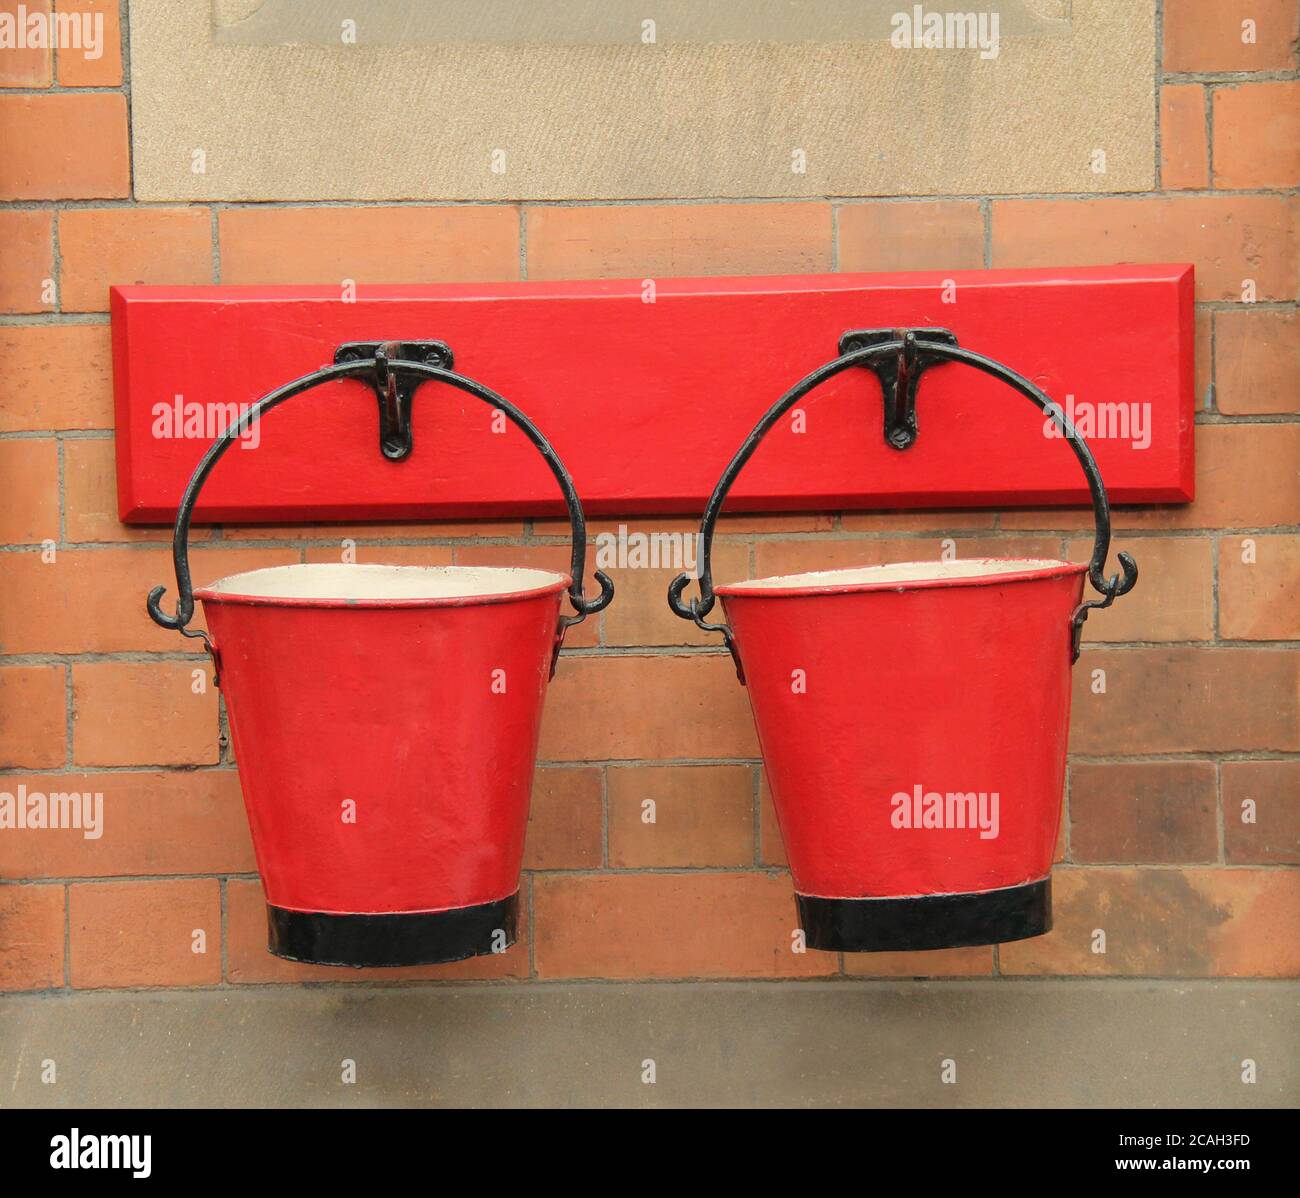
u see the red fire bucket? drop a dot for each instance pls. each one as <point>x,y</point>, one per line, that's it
<point>913,721</point>
<point>913,717</point>
<point>384,721</point>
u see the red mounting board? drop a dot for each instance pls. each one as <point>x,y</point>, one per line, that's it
<point>646,402</point>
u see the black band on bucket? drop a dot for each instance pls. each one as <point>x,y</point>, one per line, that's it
<point>399,938</point>
<point>872,925</point>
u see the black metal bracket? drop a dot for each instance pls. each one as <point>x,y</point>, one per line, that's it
<point>395,389</point>
<point>899,374</point>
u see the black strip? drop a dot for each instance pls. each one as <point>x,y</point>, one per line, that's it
<point>870,925</point>
<point>401,938</point>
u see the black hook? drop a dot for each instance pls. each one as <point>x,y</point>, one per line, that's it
<point>395,389</point>
<point>899,373</point>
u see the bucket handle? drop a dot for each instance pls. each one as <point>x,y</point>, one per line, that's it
<point>383,368</point>
<point>911,353</point>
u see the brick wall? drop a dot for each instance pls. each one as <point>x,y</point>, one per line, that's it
<point>1199,715</point>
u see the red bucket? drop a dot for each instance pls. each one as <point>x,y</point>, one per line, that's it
<point>913,718</point>
<point>385,718</point>
<point>913,726</point>
<point>385,722</point>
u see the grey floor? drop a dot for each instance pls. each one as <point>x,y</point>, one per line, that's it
<point>1000,1043</point>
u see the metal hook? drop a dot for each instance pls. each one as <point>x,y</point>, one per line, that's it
<point>899,373</point>
<point>394,388</point>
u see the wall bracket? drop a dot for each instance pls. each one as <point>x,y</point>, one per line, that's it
<point>899,375</point>
<point>395,389</point>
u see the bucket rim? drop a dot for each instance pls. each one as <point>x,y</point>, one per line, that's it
<point>1029,570</point>
<point>547,582</point>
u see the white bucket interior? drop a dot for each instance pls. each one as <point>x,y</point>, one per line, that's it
<point>900,573</point>
<point>335,581</point>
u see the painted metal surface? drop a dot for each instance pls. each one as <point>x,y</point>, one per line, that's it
<point>645,387</point>
<point>424,716</point>
<point>875,704</point>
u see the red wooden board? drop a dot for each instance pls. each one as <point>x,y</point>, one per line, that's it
<point>647,401</point>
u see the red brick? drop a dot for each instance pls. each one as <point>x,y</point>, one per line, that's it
<point>565,820</point>
<point>919,235</point>
<point>1205,36</point>
<point>25,280</point>
<point>249,962</point>
<point>653,708</point>
<point>137,713</point>
<point>1245,478</point>
<point>90,498</point>
<point>1184,148</point>
<point>104,247</point>
<point>55,377</point>
<point>179,822</point>
<point>29,66</point>
<point>1260,600</point>
<point>940,522</point>
<point>1186,701</point>
<point>1144,812</point>
<point>703,816</point>
<point>76,67</point>
<point>1269,792</point>
<point>1257,135</point>
<point>1229,238</point>
<point>670,925</point>
<point>1174,596</point>
<point>1167,923</point>
<point>664,240</point>
<point>771,847</point>
<point>29,495</point>
<point>33,716</point>
<point>64,146</point>
<point>941,963</point>
<point>1203,370</point>
<point>31,937</point>
<point>142,933</point>
<point>455,244</point>
<point>1257,361</point>
<point>376,530</point>
<point>730,524</point>
<point>42,608</point>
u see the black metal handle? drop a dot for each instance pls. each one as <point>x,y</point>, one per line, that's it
<point>908,350</point>
<point>386,370</point>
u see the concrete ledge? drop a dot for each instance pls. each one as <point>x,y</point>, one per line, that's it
<point>1014,1043</point>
